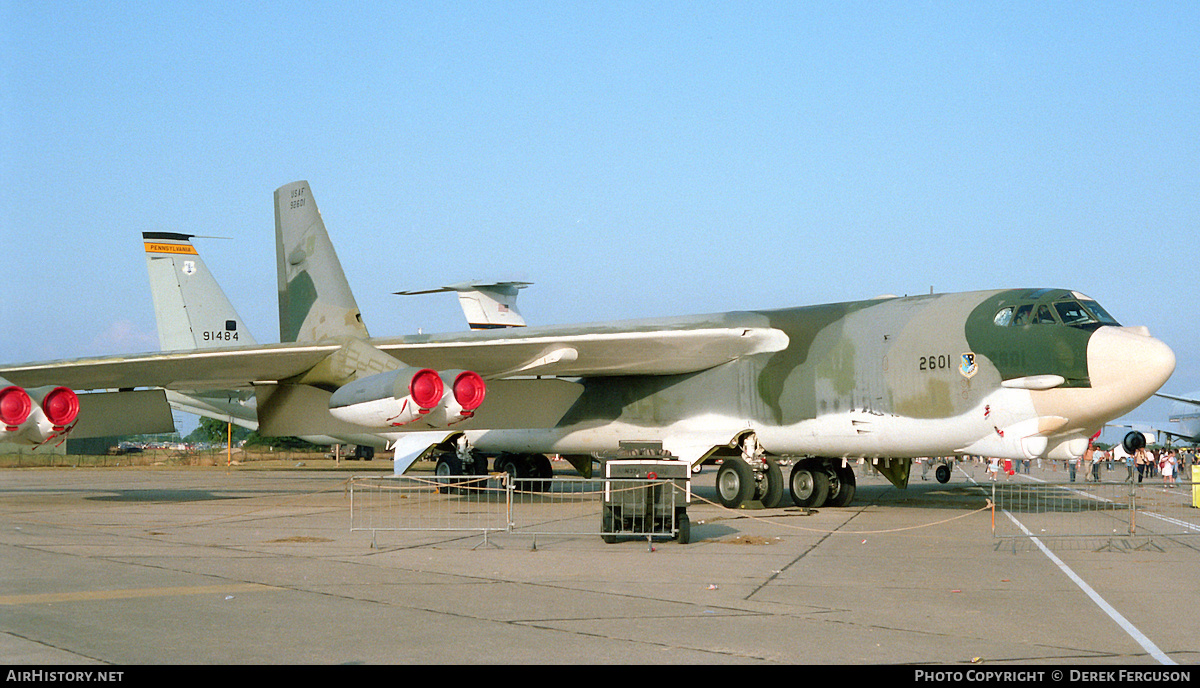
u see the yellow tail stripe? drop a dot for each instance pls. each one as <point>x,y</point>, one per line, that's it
<point>170,248</point>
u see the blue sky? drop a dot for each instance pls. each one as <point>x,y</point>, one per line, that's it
<point>631,159</point>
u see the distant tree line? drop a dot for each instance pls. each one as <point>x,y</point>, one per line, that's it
<point>216,432</point>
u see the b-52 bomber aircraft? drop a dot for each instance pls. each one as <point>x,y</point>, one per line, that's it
<point>1012,373</point>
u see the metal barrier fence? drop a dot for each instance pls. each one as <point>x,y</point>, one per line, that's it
<point>499,504</point>
<point>1093,509</point>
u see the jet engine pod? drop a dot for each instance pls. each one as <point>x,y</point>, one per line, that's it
<point>467,391</point>
<point>387,400</point>
<point>15,407</point>
<point>61,406</point>
<point>37,415</point>
<point>1133,442</point>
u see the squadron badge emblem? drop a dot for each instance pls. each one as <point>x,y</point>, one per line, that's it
<point>968,367</point>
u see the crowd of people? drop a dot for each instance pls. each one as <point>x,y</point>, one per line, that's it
<point>1168,464</point>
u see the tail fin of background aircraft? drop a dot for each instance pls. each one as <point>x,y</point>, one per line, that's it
<point>486,305</point>
<point>315,301</point>
<point>191,309</point>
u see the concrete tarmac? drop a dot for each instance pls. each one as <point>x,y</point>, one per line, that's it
<point>239,566</point>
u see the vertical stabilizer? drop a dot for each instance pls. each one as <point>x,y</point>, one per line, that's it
<point>191,309</point>
<point>315,301</point>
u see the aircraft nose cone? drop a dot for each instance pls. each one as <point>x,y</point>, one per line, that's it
<point>1127,366</point>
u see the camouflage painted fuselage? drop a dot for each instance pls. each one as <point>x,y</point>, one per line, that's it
<point>1014,373</point>
<point>892,377</point>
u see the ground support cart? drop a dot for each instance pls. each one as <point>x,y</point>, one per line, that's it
<point>644,498</point>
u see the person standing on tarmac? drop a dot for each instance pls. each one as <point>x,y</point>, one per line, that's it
<point>1168,469</point>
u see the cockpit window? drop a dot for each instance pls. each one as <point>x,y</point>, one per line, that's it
<point>1022,316</point>
<point>1044,316</point>
<point>1100,314</point>
<point>1078,313</point>
<point>1072,313</point>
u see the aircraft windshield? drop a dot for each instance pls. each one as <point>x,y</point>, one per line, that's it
<point>1080,313</point>
<point>1100,314</point>
<point>1072,313</point>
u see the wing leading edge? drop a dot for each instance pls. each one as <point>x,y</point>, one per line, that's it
<point>567,352</point>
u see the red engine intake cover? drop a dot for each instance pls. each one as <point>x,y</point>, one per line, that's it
<point>15,406</point>
<point>61,406</point>
<point>426,388</point>
<point>469,390</point>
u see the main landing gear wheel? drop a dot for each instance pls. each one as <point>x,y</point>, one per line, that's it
<point>771,490</point>
<point>809,484</point>
<point>525,470</point>
<point>514,465</point>
<point>735,483</point>
<point>542,468</point>
<point>448,465</point>
<point>942,473</point>
<point>841,486</point>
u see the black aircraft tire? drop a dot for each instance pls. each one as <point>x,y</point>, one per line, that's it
<point>735,483</point>
<point>809,484</point>
<point>845,487</point>
<point>540,467</point>
<point>772,485</point>
<point>448,465</point>
<point>942,473</point>
<point>516,468</point>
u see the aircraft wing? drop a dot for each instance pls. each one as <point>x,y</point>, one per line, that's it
<point>570,352</point>
<point>585,353</point>
<point>193,370</point>
<point>1186,400</point>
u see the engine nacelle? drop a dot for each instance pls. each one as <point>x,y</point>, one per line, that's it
<point>38,415</point>
<point>1133,442</point>
<point>466,393</point>
<point>15,407</point>
<point>60,405</point>
<point>387,400</point>
<point>400,397</point>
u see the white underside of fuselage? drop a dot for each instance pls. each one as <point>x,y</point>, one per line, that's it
<point>1004,424</point>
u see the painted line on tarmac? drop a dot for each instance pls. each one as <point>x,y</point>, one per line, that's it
<point>1138,637</point>
<point>129,594</point>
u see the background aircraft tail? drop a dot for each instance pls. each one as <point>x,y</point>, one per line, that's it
<point>193,312</point>
<point>315,301</point>
<point>486,305</point>
<point>191,309</point>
